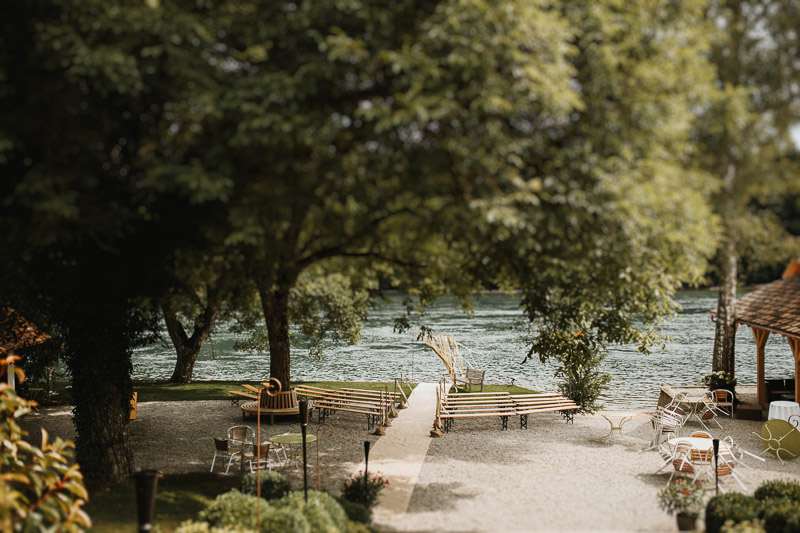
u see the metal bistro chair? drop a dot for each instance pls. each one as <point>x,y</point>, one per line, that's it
<point>666,422</point>
<point>722,401</point>
<point>222,449</point>
<point>263,451</point>
<point>242,434</point>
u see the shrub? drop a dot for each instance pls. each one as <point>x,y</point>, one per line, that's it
<point>736,507</point>
<point>322,511</point>
<point>39,489</point>
<point>191,526</point>
<point>358,527</point>
<point>748,526</point>
<point>273,485</point>
<point>233,508</point>
<point>781,515</point>
<point>365,491</point>
<point>357,512</point>
<point>778,488</point>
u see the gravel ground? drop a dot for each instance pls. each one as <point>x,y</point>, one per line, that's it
<point>179,437</point>
<point>558,477</point>
<point>552,477</point>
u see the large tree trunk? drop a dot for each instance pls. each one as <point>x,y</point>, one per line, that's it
<point>99,359</point>
<point>275,304</point>
<point>187,347</point>
<point>725,333</point>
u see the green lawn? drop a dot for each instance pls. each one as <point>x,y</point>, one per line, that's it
<point>179,497</point>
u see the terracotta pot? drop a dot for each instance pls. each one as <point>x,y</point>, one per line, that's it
<point>686,521</point>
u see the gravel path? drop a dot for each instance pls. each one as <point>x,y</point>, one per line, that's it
<point>552,477</point>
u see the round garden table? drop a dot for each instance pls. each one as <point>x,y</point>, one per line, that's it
<point>293,443</point>
<point>620,417</point>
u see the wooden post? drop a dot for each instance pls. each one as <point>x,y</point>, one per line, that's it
<point>794,343</point>
<point>761,336</point>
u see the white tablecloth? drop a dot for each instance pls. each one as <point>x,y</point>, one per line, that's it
<point>783,410</point>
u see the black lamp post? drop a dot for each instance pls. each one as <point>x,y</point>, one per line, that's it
<point>715,442</point>
<point>303,429</point>
<point>146,481</point>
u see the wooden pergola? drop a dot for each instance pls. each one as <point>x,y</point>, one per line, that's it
<point>17,333</point>
<point>774,308</point>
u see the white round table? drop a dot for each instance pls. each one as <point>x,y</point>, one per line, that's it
<point>783,410</point>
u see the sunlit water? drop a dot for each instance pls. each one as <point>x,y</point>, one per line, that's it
<point>492,341</point>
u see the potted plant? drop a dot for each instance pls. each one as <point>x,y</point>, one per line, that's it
<point>685,499</point>
<point>720,380</point>
<point>364,488</point>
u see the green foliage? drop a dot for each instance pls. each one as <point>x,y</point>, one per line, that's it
<point>39,489</point>
<point>748,526</point>
<point>191,526</point>
<point>778,488</point>
<point>578,357</point>
<point>274,485</point>
<point>364,489</point>
<point>233,508</point>
<point>733,506</point>
<point>719,380</point>
<point>359,527</point>
<point>356,512</point>
<point>290,513</point>
<point>781,515</point>
<point>322,512</point>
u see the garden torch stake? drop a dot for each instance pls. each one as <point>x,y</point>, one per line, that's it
<point>304,420</point>
<point>366,463</point>
<point>715,442</point>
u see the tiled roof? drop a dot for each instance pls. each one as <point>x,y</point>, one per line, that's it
<point>775,307</point>
<point>16,332</point>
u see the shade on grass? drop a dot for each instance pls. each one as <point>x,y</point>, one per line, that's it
<point>179,497</point>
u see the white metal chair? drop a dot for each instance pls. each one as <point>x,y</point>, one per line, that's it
<point>222,449</point>
<point>666,422</point>
<point>738,452</point>
<point>722,401</point>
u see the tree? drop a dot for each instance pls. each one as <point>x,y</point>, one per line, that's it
<point>86,90</point>
<point>351,130</point>
<point>743,139</point>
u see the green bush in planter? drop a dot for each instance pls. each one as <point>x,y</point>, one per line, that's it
<point>357,512</point>
<point>781,515</point>
<point>778,488</point>
<point>734,506</point>
<point>323,512</point>
<point>273,485</point>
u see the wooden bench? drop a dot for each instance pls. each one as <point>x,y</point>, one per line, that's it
<point>284,403</point>
<point>474,405</point>
<point>528,404</point>
<point>326,401</point>
<point>471,377</point>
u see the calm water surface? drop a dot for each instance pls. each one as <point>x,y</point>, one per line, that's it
<point>491,342</point>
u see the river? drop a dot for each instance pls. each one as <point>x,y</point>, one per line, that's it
<point>491,342</point>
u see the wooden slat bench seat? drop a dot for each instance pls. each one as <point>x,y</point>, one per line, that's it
<point>528,404</point>
<point>237,396</point>
<point>370,392</point>
<point>326,401</point>
<point>283,404</point>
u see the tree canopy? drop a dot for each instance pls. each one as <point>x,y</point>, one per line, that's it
<point>302,152</point>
